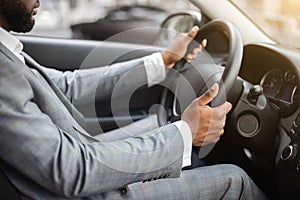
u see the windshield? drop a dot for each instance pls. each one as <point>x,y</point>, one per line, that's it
<point>280,19</point>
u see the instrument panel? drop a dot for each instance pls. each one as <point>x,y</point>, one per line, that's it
<point>279,85</point>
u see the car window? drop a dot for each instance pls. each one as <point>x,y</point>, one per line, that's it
<point>53,19</point>
<point>84,18</point>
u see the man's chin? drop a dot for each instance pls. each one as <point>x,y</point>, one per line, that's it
<point>25,28</point>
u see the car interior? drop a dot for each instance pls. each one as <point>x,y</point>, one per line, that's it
<point>258,76</point>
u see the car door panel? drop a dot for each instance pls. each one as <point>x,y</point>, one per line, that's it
<point>65,54</point>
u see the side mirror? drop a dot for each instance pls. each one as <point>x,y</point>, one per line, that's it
<point>177,23</point>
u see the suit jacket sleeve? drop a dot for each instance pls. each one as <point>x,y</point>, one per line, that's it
<point>85,85</point>
<point>50,157</point>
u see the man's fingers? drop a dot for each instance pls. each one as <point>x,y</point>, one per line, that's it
<point>204,43</point>
<point>228,107</point>
<point>209,95</point>
<point>193,32</point>
<point>191,56</point>
<point>196,51</point>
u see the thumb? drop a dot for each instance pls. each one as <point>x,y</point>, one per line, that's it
<point>193,32</point>
<point>228,107</point>
<point>209,95</point>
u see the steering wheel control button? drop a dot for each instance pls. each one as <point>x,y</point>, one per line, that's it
<point>248,125</point>
<point>295,130</point>
<point>288,153</point>
<point>295,125</point>
<point>292,132</point>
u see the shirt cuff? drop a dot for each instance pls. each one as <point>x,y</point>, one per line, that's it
<point>155,68</point>
<point>186,134</point>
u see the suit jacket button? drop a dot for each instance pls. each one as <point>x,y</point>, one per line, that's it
<point>123,191</point>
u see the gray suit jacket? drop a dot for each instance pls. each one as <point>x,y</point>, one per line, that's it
<point>45,150</point>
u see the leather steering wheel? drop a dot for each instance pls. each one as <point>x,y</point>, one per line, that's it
<point>231,70</point>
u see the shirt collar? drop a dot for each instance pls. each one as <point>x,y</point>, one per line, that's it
<point>10,42</point>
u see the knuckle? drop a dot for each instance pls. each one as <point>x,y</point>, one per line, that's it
<point>222,131</point>
<point>223,124</point>
<point>205,109</point>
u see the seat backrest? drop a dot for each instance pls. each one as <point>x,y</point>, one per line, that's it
<point>7,191</point>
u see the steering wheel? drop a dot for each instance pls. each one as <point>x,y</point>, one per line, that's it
<point>209,74</point>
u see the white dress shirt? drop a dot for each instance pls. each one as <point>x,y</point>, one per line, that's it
<point>155,71</point>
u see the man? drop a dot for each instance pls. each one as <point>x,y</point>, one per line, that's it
<point>47,154</point>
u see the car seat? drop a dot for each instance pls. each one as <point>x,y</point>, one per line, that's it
<point>8,191</point>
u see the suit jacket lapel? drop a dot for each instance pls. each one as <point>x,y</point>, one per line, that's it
<point>75,113</point>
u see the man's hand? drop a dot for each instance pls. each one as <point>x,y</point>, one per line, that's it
<point>206,123</point>
<point>177,49</point>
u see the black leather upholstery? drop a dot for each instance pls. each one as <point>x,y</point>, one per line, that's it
<point>7,191</point>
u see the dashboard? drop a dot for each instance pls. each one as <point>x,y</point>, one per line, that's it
<point>276,141</point>
<point>276,70</point>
